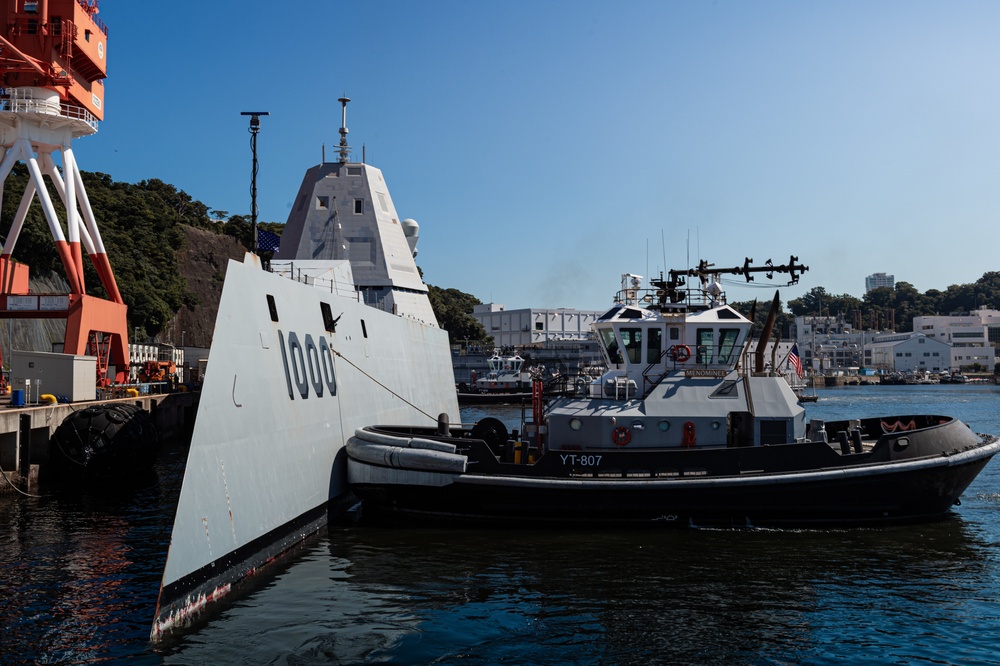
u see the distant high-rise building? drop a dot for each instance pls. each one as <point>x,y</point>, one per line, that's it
<point>876,280</point>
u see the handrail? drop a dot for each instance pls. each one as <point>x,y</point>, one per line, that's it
<point>20,100</point>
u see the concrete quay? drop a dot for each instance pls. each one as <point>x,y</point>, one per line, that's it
<point>25,432</point>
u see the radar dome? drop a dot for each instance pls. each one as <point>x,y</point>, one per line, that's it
<point>412,231</point>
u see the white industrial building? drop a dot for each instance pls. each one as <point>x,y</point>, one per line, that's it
<point>532,326</point>
<point>972,336</point>
<point>908,353</point>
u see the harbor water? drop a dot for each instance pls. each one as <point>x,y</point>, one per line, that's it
<point>80,570</point>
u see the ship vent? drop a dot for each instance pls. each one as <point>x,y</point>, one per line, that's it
<point>272,308</point>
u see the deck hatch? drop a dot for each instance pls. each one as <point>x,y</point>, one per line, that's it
<point>727,389</point>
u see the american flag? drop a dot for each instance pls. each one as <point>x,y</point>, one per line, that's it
<point>794,360</point>
<point>267,240</point>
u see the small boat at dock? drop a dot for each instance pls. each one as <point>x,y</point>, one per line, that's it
<point>679,431</point>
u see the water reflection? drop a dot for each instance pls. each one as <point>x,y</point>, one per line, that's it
<point>635,596</point>
<point>483,596</point>
<point>81,569</point>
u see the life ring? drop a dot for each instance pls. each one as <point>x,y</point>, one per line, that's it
<point>680,353</point>
<point>621,436</point>
<point>689,439</point>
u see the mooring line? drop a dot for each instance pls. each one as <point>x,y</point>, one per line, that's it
<point>361,370</point>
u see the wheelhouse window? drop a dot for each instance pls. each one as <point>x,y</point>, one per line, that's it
<point>610,344</point>
<point>632,339</point>
<point>654,345</point>
<point>727,342</point>
<point>704,353</point>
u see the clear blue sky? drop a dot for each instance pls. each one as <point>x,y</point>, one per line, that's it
<point>547,147</point>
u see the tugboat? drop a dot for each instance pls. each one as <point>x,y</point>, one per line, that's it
<point>508,381</point>
<point>680,431</point>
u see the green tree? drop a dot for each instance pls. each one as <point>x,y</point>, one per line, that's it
<point>453,309</point>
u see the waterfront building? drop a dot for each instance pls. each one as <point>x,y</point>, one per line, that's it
<point>533,326</point>
<point>973,336</point>
<point>911,352</point>
<point>876,280</point>
<point>828,344</point>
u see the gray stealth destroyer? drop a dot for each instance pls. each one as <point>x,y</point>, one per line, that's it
<point>336,334</point>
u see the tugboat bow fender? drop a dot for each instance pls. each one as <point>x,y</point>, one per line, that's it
<point>407,442</point>
<point>411,453</point>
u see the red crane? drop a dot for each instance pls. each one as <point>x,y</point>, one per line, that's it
<point>53,60</point>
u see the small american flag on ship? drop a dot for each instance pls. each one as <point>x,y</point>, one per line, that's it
<point>794,360</point>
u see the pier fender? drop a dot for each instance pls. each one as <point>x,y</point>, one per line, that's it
<point>103,441</point>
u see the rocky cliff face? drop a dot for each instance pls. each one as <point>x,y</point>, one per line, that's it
<point>203,262</point>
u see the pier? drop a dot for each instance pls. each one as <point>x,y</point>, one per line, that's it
<point>25,432</point>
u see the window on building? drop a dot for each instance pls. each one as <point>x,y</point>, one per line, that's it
<point>539,326</point>
<point>359,206</point>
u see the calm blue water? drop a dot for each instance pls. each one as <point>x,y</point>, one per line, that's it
<point>79,576</point>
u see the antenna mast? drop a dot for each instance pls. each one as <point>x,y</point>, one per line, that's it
<point>254,128</point>
<point>344,148</point>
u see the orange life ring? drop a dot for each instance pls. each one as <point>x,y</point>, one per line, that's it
<point>621,436</point>
<point>680,353</point>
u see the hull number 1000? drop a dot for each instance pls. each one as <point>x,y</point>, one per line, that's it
<point>308,366</point>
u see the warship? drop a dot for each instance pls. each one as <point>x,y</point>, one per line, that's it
<point>336,333</point>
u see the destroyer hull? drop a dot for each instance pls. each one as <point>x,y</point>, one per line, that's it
<point>292,372</point>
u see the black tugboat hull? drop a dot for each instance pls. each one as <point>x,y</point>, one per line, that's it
<point>818,486</point>
<point>904,496</point>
